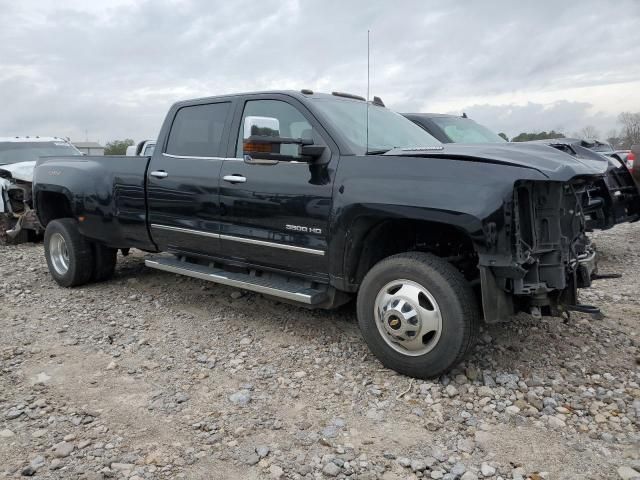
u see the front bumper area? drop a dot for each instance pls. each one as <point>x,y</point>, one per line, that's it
<point>551,256</point>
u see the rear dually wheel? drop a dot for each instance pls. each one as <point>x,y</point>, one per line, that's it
<point>69,255</point>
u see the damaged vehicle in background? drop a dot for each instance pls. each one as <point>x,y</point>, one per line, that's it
<point>633,162</point>
<point>613,198</point>
<point>454,128</point>
<point>18,155</point>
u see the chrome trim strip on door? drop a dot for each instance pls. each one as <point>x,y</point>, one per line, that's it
<point>185,230</point>
<point>197,158</point>
<point>232,238</point>
<point>170,155</point>
<point>272,244</point>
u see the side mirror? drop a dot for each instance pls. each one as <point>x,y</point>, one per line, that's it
<point>262,143</point>
<point>262,126</point>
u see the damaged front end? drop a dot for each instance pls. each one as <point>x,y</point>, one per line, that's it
<point>611,199</point>
<point>550,255</point>
<point>18,220</point>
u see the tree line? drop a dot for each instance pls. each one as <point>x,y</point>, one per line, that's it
<point>621,138</point>
<point>118,147</point>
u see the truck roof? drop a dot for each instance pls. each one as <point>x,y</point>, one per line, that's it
<point>299,94</point>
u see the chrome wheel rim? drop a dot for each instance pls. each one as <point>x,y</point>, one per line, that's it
<point>59,254</point>
<point>408,317</point>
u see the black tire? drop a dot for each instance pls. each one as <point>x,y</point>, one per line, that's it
<point>455,299</point>
<point>7,223</point>
<point>79,252</point>
<point>104,262</point>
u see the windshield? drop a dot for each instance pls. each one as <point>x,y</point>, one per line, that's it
<point>464,130</point>
<point>387,129</point>
<point>600,147</point>
<point>14,152</point>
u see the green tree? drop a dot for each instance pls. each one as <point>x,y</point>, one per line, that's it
<point>503,135</point>
<point>527,137</point>
<point>118,147</point>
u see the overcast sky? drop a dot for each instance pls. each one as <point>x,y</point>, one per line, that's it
<point>112,69</point>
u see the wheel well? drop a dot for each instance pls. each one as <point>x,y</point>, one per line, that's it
<point>52,205</point>
<point>396,236</point>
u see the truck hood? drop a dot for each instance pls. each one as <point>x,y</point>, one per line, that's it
<point>18,171</point>
<point>552,163</point>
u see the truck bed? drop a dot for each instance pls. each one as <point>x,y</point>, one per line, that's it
<point>111,191</point>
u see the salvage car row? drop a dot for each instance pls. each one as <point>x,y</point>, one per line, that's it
<point>318,199</point>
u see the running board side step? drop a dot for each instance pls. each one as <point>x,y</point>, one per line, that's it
<point>277,287</point>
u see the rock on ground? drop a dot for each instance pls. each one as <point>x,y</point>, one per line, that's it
<point>155,376</point>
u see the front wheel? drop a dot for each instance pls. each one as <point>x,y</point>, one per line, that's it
<point>418,314</point>
<point>69,254</point>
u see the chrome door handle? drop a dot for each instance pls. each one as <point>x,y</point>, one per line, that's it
<point>159,174</point>
<point>234,178</point>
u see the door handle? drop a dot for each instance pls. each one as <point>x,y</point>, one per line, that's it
<point>234,178</point>
<point>159,174</point>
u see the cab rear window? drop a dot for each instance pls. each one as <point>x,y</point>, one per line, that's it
<point>197,131</point>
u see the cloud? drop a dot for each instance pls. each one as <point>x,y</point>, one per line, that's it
<point>113,68</point>
<point>562,116</point>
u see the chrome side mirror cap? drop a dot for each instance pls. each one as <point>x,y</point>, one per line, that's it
<point>261,126</point>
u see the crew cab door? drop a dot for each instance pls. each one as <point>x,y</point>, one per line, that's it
<point>277,214</point>
<point>183,177</point>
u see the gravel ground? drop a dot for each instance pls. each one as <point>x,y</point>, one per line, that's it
<point>156,376</point>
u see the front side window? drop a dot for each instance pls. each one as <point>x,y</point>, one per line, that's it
<point>291,122</point>
<point>197,131</point>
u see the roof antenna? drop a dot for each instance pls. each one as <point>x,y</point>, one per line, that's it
<point>368,74</point>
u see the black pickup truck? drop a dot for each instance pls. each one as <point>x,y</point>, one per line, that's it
<point>296,196</point>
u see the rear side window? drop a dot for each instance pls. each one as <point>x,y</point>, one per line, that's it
<point>197,131</point>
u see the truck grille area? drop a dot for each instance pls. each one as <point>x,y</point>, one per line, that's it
<point>549,239</point>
